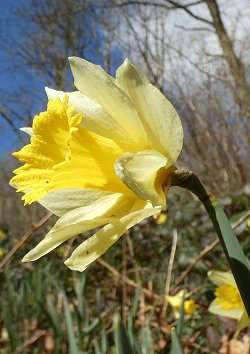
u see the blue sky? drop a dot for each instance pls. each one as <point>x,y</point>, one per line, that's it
<point>19,84</point>
<point>14,78</point>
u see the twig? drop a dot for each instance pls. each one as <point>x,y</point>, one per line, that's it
<point>130,282</point>
<point>205,251</point>
<point>169,272</point>
<point>24,238</point>
<point>38,334</point>
<point>12,125</point>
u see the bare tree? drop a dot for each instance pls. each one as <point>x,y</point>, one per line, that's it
<point>178,44</point>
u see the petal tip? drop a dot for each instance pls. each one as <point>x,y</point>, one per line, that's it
<point>73,266</point>
<point>26,259</point>
<point>127,62</point>
<point>73,60</point>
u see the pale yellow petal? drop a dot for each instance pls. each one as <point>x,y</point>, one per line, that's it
<point>95,118</point>
<point>216,309</point>
<point>175,300</point>
<point>159,118</point>
<point>99,243</point>
<point>61,201</point>
<point>221,278</point>
<point>82,219</point>
<point>145,174</point>
<point>95,83</point>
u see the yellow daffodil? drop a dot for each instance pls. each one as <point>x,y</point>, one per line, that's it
<point>99,156</point>
<point>3,235</point>
<point>176,301</point>
<point>162,218</point>
<point>228,302</point>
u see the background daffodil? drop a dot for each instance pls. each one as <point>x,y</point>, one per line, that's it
<point>228,302</point>
<point>176,301</point>
<point>99,156</point>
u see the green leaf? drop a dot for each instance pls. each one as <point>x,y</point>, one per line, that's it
<point>232,249</point>
<point>79,287</point>
<point>73,348</point>
<point>132,315</point>
<point>146,340</point>
<point>237,261</point>
<point>176,343</point>
<point>122,341</point>
<point>180,322</point>
<point>54,318</point>
<point>91,326</point>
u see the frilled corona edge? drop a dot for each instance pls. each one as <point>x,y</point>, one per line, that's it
<point>99,156</point>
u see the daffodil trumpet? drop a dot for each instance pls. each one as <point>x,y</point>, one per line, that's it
<point>228,302</point>
<point>102,156</point>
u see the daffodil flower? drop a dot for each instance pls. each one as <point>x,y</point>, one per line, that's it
<point>176,300</point>
<point>162,218</point>
<point>99,156</point>
<point>228,302</point>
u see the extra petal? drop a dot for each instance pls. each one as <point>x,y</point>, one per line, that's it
<point>144,174</point>
<point>216,309</point>
<point>95,83</point>
<point>80,220</point>
<point>221,278</point>
<point>95,118</point>
<point>99,243</point>
<point>61,201</point>
<point>159,118</point>
<point>27,130</point>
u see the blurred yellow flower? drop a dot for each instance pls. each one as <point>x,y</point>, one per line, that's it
<point>60,251</point>
<point>248,222</point>
<point>228,302</point>
<point>1,252</point>
<point>99,156</point>
<point>3,235</point>
<point>162,218</point>
<point>176,301</point>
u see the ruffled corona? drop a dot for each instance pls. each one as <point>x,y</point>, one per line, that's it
<point>228,297</point>
<point>62,154</point>
<point>228,302</point>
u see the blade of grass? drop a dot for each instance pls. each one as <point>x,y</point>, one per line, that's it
<point>176,343</point>
<point>122,341</point>
<point>79,287</point>
<point>73,348</point>
<point>179,327</point>
<point>132,315</point>
<point>54,318</point>
<point>180,322</point>
<point>146,340</point>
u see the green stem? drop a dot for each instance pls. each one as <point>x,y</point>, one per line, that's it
<point>230,244</point>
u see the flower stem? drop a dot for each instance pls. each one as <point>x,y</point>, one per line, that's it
<point>237,260</point>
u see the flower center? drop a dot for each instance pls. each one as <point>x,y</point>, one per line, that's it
<point>63,154</point>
